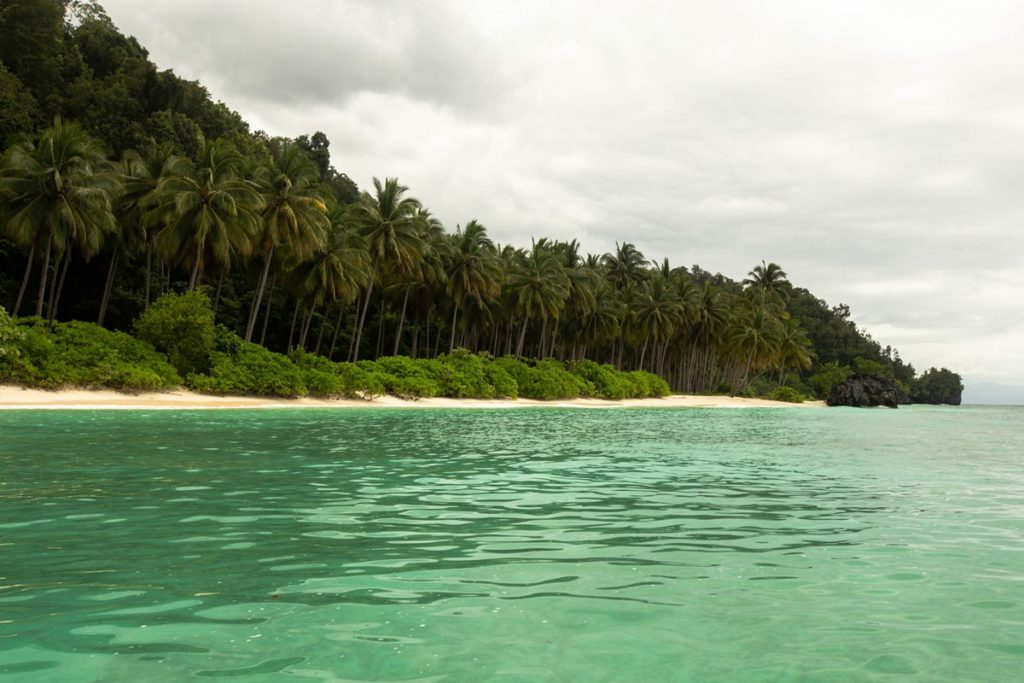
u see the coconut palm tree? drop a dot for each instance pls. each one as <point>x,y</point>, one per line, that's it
<point>294,213</point>
<point>56,192</point>
<point>540,287</point>
<point>213,213</point>
<point>473,271</point>
<point>136,221</point>
<point>388,218</point>
<point>793,348</point>
<point>769,278</point>
<point>625,266</point>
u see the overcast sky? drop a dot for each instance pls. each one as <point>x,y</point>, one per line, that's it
<point>875,150</point>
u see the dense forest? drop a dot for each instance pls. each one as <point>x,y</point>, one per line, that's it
<point>121,183</point>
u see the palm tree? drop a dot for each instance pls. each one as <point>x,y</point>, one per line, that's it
<point>339,271</point>
<point>794,349</point>
<point>136,222</point>
<point>769,278</point>
<point>389,227</point>
<point>540,287</point>
<point>754,337</point>
<point>294,213</point>
<point>56,192</point>
<point>213,213</point>
<point>473,270</point>
<point>626,265</point>
<point>658,312</point>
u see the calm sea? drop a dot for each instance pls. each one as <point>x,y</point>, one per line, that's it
<point>619,545</point>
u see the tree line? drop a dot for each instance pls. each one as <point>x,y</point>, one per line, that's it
<point>141,185</point>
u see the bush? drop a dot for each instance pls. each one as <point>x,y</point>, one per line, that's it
<point>180,325</point>
<point>607,382</point>
<point>402,376</point>
<point>504,385</point>
<point>787,394</point>
<point>244,368</point>
<point>10,336</point>
<point>462,374</point>
<point>79,354</point>
<point>547,380</point>
<point>328,379</point>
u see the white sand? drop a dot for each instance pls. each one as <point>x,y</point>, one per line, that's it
<point>13,398</point>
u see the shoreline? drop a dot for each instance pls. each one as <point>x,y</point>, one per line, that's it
<point>19,398</point>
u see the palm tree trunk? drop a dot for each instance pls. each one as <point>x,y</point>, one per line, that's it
<point>380,332</point>
<point>42,277</point>
<point>320,336</point>
<point>337,328</point>
<point>24,279</point>
<point>401,321</point>
<point>216,296</point>
<point>195,269</point>
<point>451,341</point>
<point>522,336</point>
<point>60,287</point>
<point>266,314</point>
<point>366,305</point>
<point>426,341</point>
<point>291,332</point>
<point>259,294</point>
<point>53,286</point>
<point>149,269</point>
<point>108,285</point>
<point>305,327</point>
<point>644,351</point>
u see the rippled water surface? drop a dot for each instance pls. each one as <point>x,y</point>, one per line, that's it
<point>513,545</point>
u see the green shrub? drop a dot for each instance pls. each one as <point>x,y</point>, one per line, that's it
<point>328,379</point>
<point>79,354</point>
<point>10,335</point>
<point>607,382</point>
<point>547,380</point>
<point>787,394</point>
<point>461,374</point>
<point>502,382</point>
<point>402,376</point>
<point>243,368</point>
<point>180,325</point>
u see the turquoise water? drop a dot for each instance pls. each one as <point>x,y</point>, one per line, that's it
<point>513,545</point>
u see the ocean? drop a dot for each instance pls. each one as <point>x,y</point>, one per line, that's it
<point>536,544</point>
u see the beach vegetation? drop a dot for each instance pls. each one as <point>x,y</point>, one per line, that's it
<point>181,326</point>
<point>48,355</point>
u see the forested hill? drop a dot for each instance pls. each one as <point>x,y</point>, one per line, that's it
<point>121,182</point>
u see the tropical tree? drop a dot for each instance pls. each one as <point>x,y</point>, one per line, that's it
<point>768,278</point>
<point>293,213</point>
<point>213,213</point>
<point>56,192</point>
<point>473,271</point>
<point>540,288</point>
<point>793,348</point>
<point>137,223</point>
<point>389,222</point>
<point>625,266</point>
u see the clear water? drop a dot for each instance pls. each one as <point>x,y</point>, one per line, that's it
<point>513,545</point>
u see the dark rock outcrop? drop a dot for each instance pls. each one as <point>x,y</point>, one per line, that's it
<point>865,391</point>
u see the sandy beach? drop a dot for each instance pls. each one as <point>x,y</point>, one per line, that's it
<point>14,398</point>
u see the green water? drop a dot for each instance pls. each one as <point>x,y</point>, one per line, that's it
<point>513,545</point>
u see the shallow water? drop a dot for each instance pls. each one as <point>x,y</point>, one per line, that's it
<point>513,545</point>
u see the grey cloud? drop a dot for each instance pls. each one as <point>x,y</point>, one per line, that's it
<point>873,148</point>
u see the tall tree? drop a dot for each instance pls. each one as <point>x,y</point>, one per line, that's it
<point>472,271</point>
<point>294,213</point>
<point>213,213</point>
<point>56,192</point>
<point>389,227</point>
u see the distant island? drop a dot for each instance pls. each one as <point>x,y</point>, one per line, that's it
<point>149,239</point>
